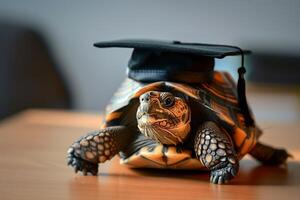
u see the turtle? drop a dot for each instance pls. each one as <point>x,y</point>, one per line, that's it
<point>176,125</point>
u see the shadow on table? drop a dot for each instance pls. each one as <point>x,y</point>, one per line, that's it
<point>250,173</point>
<point>288,174</point>
<point>119,182</point>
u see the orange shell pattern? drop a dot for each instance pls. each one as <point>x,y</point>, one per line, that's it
<point>219,96</point>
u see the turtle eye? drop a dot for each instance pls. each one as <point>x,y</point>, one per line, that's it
<point>168,101</point>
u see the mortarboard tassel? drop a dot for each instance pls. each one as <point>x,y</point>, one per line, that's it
<point>241,90</point>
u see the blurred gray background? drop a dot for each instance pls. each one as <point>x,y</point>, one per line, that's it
<point>71,27</point>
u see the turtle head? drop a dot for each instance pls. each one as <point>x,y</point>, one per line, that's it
<point>164,117</point>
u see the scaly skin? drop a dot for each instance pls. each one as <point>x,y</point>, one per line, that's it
<point>98,147</point>
<point>215,150</point>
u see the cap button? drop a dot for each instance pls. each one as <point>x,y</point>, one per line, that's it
<point>176,42</point>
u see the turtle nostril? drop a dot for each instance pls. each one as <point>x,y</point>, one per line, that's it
<point>145,98</point>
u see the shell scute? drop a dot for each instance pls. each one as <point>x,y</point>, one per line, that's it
<point>219,96</point>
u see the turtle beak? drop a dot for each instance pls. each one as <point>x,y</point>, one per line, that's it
<point>148,102</point>
<point>147,109</point>
<point>150,110</point>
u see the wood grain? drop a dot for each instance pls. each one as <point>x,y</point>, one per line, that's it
<point>33,147</point>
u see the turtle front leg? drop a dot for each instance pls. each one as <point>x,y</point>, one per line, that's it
<point>97,147</point>
<point>215,149</point>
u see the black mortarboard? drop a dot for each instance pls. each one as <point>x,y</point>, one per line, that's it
<point>156,60</point>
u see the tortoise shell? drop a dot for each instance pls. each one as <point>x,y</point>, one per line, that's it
<point>218,96</point>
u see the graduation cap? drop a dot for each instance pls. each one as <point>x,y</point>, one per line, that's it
<point>156,60</point>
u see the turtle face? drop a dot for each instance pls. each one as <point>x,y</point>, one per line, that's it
<point>163,117</point>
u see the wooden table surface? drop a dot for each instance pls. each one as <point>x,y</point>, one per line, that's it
<point>33,148</point>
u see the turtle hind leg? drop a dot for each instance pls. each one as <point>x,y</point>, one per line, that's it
<point>269,155</point>
<point>98,147</point>
<point>215,149</point>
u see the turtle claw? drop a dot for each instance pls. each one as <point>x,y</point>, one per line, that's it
<point>84,171</point>
<point>221,180</point>
<point>82,165</point>
<point>223,175</point>
<point>75,170</point>
<point>69,162</point>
